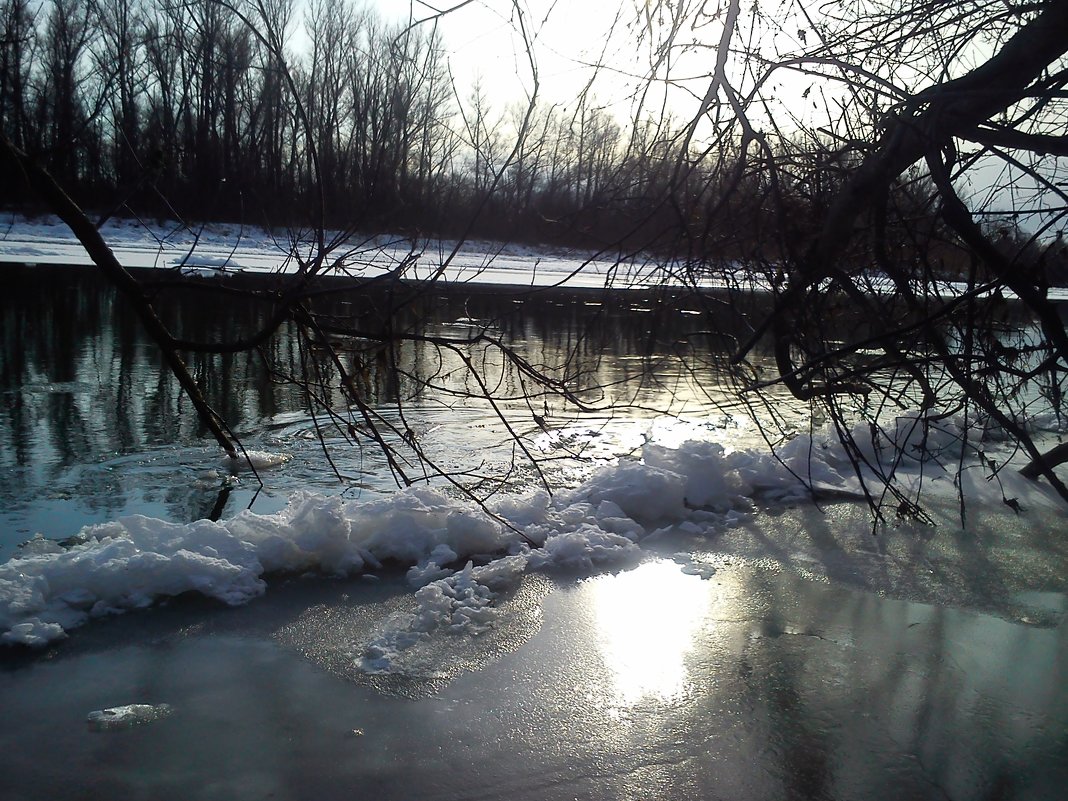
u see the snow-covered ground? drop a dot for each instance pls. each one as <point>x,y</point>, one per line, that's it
<point>221,249</point>
<point>217,250</point>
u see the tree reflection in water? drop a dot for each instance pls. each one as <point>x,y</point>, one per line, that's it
<point>95,425</point>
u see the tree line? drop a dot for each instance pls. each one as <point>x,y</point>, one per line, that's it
<point>204,109</point>
<point>208,110</point>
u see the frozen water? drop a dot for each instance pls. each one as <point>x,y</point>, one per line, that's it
<point>124,717</point>
<point>755,683</point>
<point>256,460</point>
<point>697,488</point>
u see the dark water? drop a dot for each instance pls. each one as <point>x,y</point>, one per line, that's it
<point>93,425</point>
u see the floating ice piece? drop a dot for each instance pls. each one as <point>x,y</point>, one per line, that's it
<point>701,569</point>
<point>34,632</point>
<point>123,717</point>
<point>260,460</point>
<point>585,549</point>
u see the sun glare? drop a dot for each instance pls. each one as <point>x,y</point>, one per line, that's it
<point>646,620</point>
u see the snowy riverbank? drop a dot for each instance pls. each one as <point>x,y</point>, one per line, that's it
<point>221,250</point>
<point>218,250</point>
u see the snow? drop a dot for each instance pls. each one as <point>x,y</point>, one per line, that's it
<point>696,488</point>
<point>216,251</point>
<point>135,561</point>
<point>123,717</point>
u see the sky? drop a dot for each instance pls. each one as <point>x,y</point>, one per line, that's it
<point>486,44</point>
<point>622,36</point>
<point>567,37</point>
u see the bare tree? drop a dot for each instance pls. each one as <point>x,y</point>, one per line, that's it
<point>829,166</point>
<point>118,59</point>
<point>64,104</point>
<point>898,109</point>
<point>17,43</point>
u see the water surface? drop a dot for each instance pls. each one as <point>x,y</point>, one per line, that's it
<point>789,654</point>
<point>94,426</point>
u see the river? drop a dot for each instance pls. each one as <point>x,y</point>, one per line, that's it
<point>94,425</point>
<point>768,648</point>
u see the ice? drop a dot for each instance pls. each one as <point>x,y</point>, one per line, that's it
<point>123,717</point>
<point>697,489</point>
<point>430,569</point>
<point>255,460</point>
<point>459,603</point>
<point>584,549</point>
<point>693,564</point>
<point>643,492</point>
<point>34,633</point>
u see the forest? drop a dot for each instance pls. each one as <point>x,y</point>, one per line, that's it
<point>183,110</point>
<point>208,111</point>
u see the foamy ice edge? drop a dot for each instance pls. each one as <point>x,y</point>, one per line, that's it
<point>131,563</point>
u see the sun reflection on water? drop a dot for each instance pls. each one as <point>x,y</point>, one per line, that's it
<point>646,621</point>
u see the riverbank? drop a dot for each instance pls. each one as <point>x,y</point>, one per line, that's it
<point>255,255</point>
<point>248,257</point>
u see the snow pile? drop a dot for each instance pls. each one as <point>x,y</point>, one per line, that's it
<point>458,603</point>
<point>131,563</point>
<point>916,438</point>
<point>597,524</point>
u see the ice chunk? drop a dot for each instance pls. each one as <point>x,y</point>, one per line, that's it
<point>33,632</point>
<point>707,479</point>
<point>642,492</point>
<point>584,549</point>
<point>430,569</point>
<point>459,604</point>
<point>259,460</point>
<point>123,717</point>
